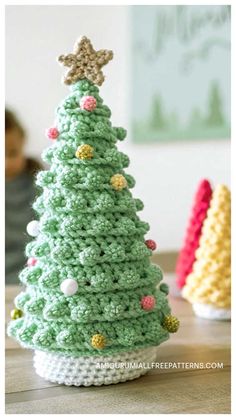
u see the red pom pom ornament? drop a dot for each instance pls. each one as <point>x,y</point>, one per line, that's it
<point>151,244</point>
<point>148,302</point>
<point>31,262</point>
<point>52,133</point>
<point>88,103</point>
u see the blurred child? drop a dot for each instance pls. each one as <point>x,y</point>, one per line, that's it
<point>20,193</point>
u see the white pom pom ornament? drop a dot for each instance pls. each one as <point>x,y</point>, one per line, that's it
<point>69,287</point>
<point>33,228</point>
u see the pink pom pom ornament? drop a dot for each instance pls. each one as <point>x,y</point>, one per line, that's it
<point>31,262</point>
<point>148,302</point>
<point>151,244</point>
<point>88,103</point>
<point>52,133</point>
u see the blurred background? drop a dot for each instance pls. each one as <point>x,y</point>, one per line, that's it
<point>168,84</point>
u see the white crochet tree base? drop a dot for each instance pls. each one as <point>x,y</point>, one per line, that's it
<point>84,370</point>
<point>207,311</point>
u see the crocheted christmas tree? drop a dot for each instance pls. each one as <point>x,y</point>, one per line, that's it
<point>208,286</point>
<point>193,232</point>
<point>91,289</point>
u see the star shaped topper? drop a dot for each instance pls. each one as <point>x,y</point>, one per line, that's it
<point>85,62</point>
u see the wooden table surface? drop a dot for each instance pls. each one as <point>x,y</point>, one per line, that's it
<point>171,390</point>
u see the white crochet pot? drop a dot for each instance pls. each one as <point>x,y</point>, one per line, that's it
<point>207,311</point>
<point>85,371</point>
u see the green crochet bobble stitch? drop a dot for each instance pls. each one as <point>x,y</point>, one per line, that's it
<point>89,234</point>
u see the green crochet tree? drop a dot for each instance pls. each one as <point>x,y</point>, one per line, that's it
<point>90,288</point>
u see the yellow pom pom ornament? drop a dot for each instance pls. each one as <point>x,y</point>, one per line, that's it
<point>171,324</point>
<point>16,313</point>
<point>84,151</point>
<point>98,341</point>
<point>118,182</point>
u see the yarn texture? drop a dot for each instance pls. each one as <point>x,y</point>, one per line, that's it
<point>199,209</point>
<point>210,281</point>
<point>83,55</point>
<point>91,289</point>
<point>208,311</point>
<point>85,371</point>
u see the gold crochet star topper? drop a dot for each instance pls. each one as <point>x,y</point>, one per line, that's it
<point>85,62</point>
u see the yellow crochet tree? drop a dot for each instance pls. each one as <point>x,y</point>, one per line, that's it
<point>208,286</point>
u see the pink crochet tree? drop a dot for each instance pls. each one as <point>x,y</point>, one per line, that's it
<point>193,232</point>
